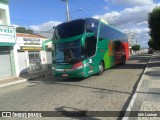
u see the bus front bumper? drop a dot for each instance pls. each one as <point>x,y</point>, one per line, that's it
<point>71,73</point>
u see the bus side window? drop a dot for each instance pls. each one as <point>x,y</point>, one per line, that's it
<point>90,46</point>
<point>117,45</point>
<point>92,26</point>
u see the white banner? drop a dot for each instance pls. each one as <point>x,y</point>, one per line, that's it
<point>7,34</point>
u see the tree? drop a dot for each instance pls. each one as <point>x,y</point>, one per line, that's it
<point>154,24</point>
<point>136,47</point>
<point>152,44</point>
<point>24,30</point>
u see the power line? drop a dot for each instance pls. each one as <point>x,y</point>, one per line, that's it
<point>84,10</point>
<point>80,6</point>
<point>90,7</point>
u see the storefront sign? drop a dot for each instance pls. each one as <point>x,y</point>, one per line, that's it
<point>7,34</point>
<point>31,48</point>
<point>4,1</point>
<point>31,41</point>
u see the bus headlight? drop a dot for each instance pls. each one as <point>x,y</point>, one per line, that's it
<point>77,66</point>
<point>53,68</point>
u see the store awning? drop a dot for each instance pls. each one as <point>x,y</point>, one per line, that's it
<point>6,44</point>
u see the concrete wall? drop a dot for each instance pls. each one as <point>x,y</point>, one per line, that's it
<point>4,14</point>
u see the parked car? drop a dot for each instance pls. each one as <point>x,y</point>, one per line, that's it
<point>150,51</point>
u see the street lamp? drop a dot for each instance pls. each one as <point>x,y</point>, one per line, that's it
<point>80,9</point>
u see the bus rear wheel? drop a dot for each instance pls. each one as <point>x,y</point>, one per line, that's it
<point>101,68</point>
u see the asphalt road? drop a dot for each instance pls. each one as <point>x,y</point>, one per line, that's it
<point>112,91</point>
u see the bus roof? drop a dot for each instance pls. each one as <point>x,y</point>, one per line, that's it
<point>100,20</point>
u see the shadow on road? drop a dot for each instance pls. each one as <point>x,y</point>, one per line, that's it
<point>154,64</point>
<point>140,58</point>
<point>74,113</point>
<point>130,66</point>
<point>66,82</point>
<point>153,73</point>
<point>135,62</point>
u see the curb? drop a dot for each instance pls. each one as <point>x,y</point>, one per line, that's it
<point>129,108</point>
<point>12,83</point>
<point>23,80</point>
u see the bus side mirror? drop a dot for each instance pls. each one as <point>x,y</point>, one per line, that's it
<point>44,44</point>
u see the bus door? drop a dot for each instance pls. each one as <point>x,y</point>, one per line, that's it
<point>90,49</point>
<point>90,44</point>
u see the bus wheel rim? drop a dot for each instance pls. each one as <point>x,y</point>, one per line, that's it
<point>101,67</point>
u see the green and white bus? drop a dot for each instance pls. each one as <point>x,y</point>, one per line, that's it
<point>84,47</point>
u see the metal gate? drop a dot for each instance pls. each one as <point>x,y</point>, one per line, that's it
<point>34,61</point>
<point>5,62</point>
<point>49,59</point>
<point>22,62</point>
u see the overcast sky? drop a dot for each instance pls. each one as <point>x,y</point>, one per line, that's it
<point>129,16</point>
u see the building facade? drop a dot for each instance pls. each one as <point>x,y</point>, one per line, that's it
<point>7,42</point>
<point>29,54</point>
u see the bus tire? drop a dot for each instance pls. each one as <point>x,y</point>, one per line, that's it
<point>101,68</point>
<point>123,60</point>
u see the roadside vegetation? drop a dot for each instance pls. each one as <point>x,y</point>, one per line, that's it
<point>154,26</point>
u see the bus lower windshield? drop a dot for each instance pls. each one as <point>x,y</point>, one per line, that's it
<point>69,52</point>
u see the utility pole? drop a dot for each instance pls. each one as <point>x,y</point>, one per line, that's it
<point>67,10</point>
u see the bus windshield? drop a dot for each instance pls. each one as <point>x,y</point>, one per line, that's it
<point>69,52</point>
<point>69,29</point>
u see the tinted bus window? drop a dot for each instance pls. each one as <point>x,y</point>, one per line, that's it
<point>90,46</point>
<point>90,42</point>
<point>92,26</point>
<point>68,52</point>
<point>69,29</point>
<point>111,33</point>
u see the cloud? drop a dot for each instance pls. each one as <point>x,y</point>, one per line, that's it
<point>138,30</point>
<point>106,8</point>
<point>45,29</point>
<point>140,36</point>
<point>131,2</point>
<point>144,23</point>
<point>132,19</point>
<point>48,26</point>
<point>15,26</point>
<point>136,14</point>
<point>108,16</point>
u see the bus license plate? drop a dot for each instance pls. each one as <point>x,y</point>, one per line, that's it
<point>65,75</point>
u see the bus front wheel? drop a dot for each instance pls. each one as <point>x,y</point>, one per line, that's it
<point>101,68</point>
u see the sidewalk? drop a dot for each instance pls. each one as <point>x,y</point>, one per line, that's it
<point>147,94</point>
<point>24,77</point>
